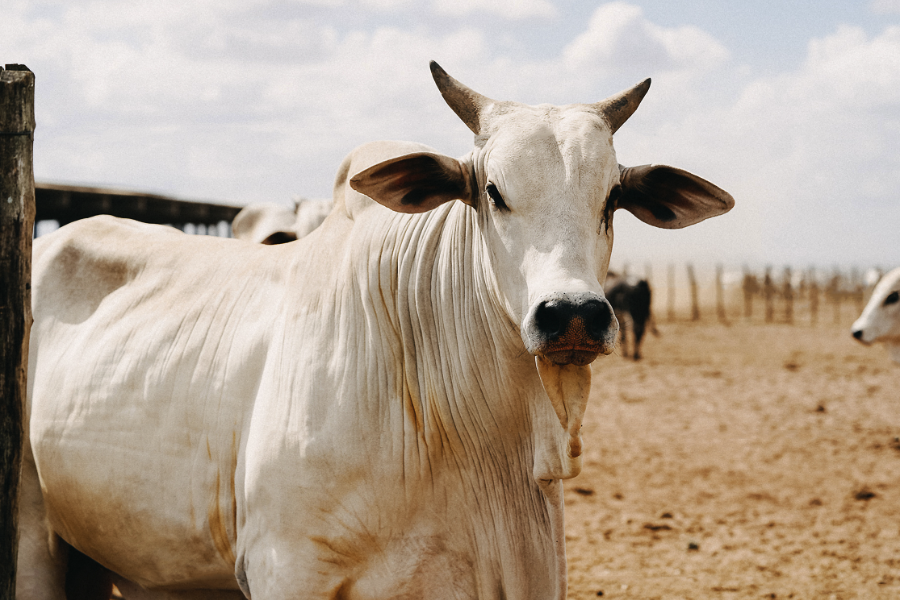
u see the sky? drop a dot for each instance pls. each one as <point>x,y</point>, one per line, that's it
<point>792,107</point>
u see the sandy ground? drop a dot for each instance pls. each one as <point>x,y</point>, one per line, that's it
<point>741,461</point>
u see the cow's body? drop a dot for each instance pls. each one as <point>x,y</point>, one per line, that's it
<point>880,319</point>
<point>353,416</point>
<point>257,324</point>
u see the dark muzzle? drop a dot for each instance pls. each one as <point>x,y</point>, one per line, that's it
<point>570,328</point>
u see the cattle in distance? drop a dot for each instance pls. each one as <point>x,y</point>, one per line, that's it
<point>880,319</point>
<point>631,299</point>
<point>384,408</point>
<point>270,223</point>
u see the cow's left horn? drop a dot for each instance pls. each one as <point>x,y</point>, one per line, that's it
<point>467,103</point>
<point>616,109</point>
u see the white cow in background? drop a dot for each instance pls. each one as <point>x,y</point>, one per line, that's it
<point>270,223</point>
<point>383,409</point>
<point>880,319</point>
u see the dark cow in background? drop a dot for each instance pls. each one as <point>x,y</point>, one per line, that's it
<point>630,298</point>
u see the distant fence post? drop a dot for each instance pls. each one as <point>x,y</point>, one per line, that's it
<point>833,293</point>
<point>750,287</point>
<point>769,295</point>
<point>813,291</point>
<point>787,292</point>
<point>695,300</point>
<point>16,229</point>
<point>670,294</point>
<point>720,295</point>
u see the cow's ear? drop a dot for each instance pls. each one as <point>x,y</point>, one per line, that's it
<point>416,182</point>
<point>670,198</point>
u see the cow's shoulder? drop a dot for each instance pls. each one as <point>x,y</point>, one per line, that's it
<point>88,259</point>
<point>76,267</point>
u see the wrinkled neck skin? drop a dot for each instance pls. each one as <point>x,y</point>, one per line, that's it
<point>444,430</point>
<point>477,401</point>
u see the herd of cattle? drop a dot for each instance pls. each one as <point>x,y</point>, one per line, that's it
<point>382,409</point>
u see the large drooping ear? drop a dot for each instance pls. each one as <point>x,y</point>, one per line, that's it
<point>415,182</point>
<point>670,198</point>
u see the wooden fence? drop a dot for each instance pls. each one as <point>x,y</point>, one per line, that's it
<point>63,204</point>
<point>785,295</point>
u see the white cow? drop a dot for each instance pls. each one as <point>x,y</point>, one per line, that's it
<point>880,319</point>
<point>270,223</point>
<point>383,409</point>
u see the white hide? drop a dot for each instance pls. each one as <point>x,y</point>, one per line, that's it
<point>268,223</point>
<point>880,319</point>
<point>354,416</point>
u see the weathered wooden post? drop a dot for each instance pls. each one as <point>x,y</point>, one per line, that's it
<point>750,287</point>
<point>787,292</point>
<point>720,295</point>
<point>695,300</point>
<point>670,294</point>
<point>16,230</point>
<point>833,292</point>
<point>813,297</point>
<point>769,295</point>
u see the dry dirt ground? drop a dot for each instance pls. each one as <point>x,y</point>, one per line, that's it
<point>742,461</point>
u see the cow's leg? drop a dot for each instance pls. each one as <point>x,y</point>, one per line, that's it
<point>86,579</point>
<point>638,327</point>
<point>41,566</point>
<point>623,337</point>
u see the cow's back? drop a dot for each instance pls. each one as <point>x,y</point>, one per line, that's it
<point>146,352</point>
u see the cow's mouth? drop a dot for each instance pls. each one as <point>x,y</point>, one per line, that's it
<point>572,356</point>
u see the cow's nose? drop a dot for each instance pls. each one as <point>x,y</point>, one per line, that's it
<point>570,328</point>
<point>555,317</point>
<point>858,334</point>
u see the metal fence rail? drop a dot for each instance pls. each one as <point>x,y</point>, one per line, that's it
<point>67,203</point>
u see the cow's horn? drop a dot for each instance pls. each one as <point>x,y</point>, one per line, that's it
<point>467,103</point>
<point>616,109</point>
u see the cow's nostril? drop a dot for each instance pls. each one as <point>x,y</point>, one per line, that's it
<point>858,334</point>
<point>550,319</point>
<point>597,317</point>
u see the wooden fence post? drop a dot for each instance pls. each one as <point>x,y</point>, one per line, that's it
<point>769,295</point>
<point>670,294</point>
<point>750,287</point>
<point>833,292</point>
<point>16,229</point>
<point>720,295</point>
<point>695,300</point>
<point>813,289</point>
<point>787,292</point>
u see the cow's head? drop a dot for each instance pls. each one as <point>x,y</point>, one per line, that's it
<point>880,320</point>
<point>545,182</point>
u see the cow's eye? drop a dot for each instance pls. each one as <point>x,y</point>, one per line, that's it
<point>496,198</point>
<point>892,298</point>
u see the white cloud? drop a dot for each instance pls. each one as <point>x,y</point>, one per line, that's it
<point>885,6</point>
<point>239,102</point>
<point>619,37</point>
<point>387,5</point>
<point>510,9</point>
<point>809,154</point>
